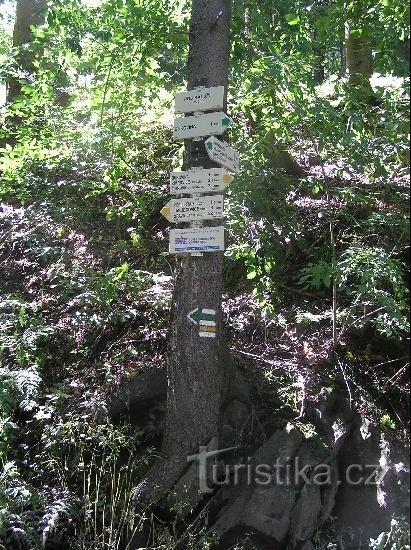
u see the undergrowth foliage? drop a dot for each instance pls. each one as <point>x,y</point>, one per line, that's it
<point>86,280</point>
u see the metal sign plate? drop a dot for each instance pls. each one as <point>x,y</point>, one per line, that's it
<point>197,239</point>
<point>200,126</point>
<point>199,180</point>
<point>202,99</point>
<point>221,153</point>
<point>191,209</point>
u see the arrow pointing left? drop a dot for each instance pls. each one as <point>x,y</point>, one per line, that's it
<point>201,314</point>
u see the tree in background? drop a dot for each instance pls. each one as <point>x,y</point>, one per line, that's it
<point>28,13</point>
<point>358,50</point>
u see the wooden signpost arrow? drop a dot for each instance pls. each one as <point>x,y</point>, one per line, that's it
<point>194,209</point>
<point>221,153</point>
<point>199,180</point>
<point>201,125</point>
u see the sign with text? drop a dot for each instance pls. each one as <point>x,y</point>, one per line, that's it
<point>202,99</point>
<point>221,153</point>
<point>201,125</point>
<point>199,180</point>
<point>191,209</point>
<point>197,239</point>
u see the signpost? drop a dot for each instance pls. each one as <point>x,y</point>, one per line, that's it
<point>221,153</point>
<point>197,239</point>
<point>205,319</point>
<point>199,180</point>
<point>194,209</point>
<point>201,99</point>
<point>201,125</point>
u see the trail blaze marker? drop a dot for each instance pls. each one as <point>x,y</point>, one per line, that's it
<point>201,125</point>
<point>205,319</point>
<point>202,99</point>
<point>194,209</point>
<point>197,239</point>
<point>199,181</point>
<point>221,153</point>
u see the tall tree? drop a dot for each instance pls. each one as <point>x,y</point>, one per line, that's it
<point>195,368</point>
<point>28,13</point>
<point>358,51</point>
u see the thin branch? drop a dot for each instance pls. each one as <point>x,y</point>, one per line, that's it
<point>395,377</point>
<point>346,381</point>
<point>365,316</point>
<point>391,361</point>
<point>257,357</point>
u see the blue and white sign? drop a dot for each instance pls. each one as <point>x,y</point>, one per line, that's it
<point>197,239</point>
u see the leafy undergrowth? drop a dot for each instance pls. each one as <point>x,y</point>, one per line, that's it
<point>76,314</point>
<point>81,308</point>
<point>86,290</point>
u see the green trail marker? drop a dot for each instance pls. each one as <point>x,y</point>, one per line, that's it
<point>206,321</point>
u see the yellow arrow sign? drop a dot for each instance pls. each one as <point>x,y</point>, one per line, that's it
<point>227,179</point>
<point>166,212</point>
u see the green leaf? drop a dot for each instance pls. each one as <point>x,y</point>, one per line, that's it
<point>251,275</point>
<point>292,18</point>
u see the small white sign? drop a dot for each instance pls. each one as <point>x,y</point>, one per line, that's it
<point>199,180</point>
<point>191,209</point>
<point>204,99</point>
<point>201,125</point>
<point>197,239</point>
<point>221,153</point>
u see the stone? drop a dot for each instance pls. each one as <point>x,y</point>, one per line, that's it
<point>264,505</point>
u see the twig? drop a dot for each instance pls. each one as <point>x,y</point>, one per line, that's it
<point>391,361</point>
<point>110,68</point>
<point>365,316</point>
<point>346,381</point>
<point>395,377</point>
<point>257,357</point>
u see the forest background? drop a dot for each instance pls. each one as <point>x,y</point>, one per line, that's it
<point>315,273</point>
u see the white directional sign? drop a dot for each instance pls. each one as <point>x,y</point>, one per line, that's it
<point>199,180</point>
<point>201,125</point>
<point>197,239</point>
<point>191,209</point>
<point>221,153</point>
<point>204,99</point>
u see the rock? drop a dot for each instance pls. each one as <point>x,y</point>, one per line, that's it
<point>137,391</point>
<point>266,500</point>
<point>304,517</point>
<point>315,501</point>
<point>365,508</point>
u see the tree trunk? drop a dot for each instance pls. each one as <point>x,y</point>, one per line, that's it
<point>359,59</point>
<point>195,370</point>
<point>28,12</point>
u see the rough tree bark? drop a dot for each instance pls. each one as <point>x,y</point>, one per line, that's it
<point>195,369</point>
<point>358,53</point>
<point>28,13</point>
